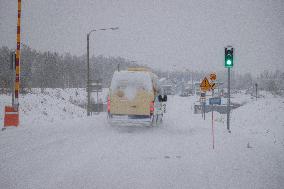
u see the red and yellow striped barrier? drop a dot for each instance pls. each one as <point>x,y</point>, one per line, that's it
<point>12,112</point>
<point>18,55</point>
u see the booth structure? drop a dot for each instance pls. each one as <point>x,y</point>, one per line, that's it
<point>11,117</point>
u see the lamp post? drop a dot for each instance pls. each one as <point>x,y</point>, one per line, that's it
<point>88,64</point>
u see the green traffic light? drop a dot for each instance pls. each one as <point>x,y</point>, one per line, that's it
<point>229,62</point>
<point>229,58</point>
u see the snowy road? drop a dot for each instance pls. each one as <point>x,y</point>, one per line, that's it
<point>88,153</point>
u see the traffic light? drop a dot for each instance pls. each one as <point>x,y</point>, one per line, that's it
<point>229,60</point>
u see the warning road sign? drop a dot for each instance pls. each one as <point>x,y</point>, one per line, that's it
<point>205,85</point>
<point>213,76</point>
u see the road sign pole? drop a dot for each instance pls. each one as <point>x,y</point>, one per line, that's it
<point>204,106</point>
<point>98,102</point>
<point>202,111</point>
<point>212,106</point>
<point>256,91</point>
<point>228,103</point>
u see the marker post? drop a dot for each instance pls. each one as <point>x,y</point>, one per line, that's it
<point>212,102</point>
<point>213,139</point>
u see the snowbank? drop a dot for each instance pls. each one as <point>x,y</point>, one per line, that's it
<point>51,106</point>
<point>75,152</point>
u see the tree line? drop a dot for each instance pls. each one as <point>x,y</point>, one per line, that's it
<point>54,70</point>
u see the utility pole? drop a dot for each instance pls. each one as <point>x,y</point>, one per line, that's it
<point>88,76</point>
<point>88,65</point>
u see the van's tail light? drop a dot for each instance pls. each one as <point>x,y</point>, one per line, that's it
<point>151,107</point>
<point>108,104</point>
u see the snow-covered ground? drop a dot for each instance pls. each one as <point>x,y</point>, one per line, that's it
<point>51,105</point>
<point>57,146</point>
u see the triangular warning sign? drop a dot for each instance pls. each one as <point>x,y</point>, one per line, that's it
<point>205,85</point>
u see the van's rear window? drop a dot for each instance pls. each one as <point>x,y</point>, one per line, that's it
<point>135,80</point>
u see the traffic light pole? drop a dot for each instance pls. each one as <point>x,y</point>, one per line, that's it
<point>228,103</point>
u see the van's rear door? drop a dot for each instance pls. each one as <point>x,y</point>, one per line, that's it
<point>131,93</point>
<point>138,105</point>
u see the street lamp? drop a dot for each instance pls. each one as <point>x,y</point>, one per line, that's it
<point>88,64</point>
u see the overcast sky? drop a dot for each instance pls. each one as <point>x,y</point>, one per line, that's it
<point>168,34</point>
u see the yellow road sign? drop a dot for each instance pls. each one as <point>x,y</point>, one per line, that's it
<point>205,85</point>
<point>213,76</point>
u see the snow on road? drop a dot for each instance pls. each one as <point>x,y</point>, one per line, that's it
<point>86,152</point>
